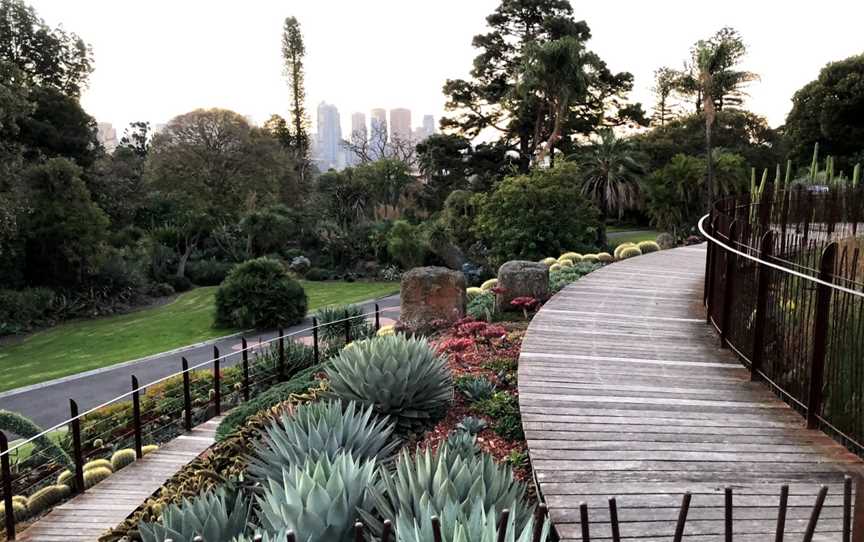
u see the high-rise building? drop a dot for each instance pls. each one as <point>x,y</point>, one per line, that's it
<point>107,136</point>
<point>358,125</point>
<point>377,133</point>
<point>329,139</point>
<point>358,139</point>
<point>400,125</point>
<point>428,125</point>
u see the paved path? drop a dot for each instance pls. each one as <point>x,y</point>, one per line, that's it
<point>49,405</point>
<point>625,392</point>
<point>107,504</point>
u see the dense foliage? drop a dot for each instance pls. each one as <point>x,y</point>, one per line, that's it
<point>260,294</point>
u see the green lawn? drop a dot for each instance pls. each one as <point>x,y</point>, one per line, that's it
<point>617,236</point>
<point>89,344</point>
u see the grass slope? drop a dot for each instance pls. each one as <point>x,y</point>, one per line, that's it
<point>83,345</point>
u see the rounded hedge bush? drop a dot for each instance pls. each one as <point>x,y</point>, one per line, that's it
<point>629,252</point>
<point>260,294</point>
<point>648,246</point>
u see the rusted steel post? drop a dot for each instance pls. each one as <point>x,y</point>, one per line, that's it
<point>77,454</point>
<point>217,383</point>
<point>729,285</point>
<point>187,396</point>
<point>781,513</point>
<point>315,351</point>
<point>136,417</point>
<point>377,317</point>
<point>583,520</point>
<point>281,354</point>
<point>347,328</point>
<point>762,285</point>
<point>6,476</point>
<point>245,348</point>
<point>682,518</point>
<point>728,513</point>
<point>820,334</point>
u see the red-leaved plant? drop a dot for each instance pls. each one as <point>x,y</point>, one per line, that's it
<point>524,303</point>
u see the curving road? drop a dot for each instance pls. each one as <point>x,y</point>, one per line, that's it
<point>47,404</point>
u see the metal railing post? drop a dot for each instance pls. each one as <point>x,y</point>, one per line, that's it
<point>729,286</point>
<point>377,317</point>
<point>347,328</point>
<point>136,417</point>
<point>245,369</point>
<point>820,334</point>
<point>6,476</point>
<point>763,277</point>
<point>187,396</point>
<point>217,383</point>
<point>77,455</point>
<point>281,354</point>
<point>315,351</point>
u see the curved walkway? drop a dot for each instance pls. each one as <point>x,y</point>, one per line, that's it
<point>625,393</point>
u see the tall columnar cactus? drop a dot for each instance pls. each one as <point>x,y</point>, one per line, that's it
<point>856,175</point>
<point>814,163</point>
<point>17,424</point>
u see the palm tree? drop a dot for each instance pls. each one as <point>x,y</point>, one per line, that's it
<point>610,169</point>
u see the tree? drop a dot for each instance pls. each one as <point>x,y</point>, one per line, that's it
<point>293,53</point>
<point>666,81</point>
<point>674,199</point>
<point>536,215</point>
<point>830,111</point>
<point>444,165</point>
<point>64,229</point>
<point>136,139</point>
<point>381,146</point>
<point>46,57</point>
<point>386,179</point>
<point>345,198</point>
<point>489,101</point>
<point>610,170</point>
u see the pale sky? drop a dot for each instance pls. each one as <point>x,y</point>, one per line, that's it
<point>159,58</point>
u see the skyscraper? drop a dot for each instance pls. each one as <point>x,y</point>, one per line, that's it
<point>358,125</point>
<point>400,125</point>
<point>428,125</point>
<point>377,133</point>
<point>107,136</point>
<point>329,140</point>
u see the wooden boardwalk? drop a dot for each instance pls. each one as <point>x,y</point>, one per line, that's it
<point>86,517</point>
<point>625,392</point>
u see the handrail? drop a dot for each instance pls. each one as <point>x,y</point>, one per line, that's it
<point>128,394</point>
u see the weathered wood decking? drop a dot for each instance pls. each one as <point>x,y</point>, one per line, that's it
<point>86,517</point>
<point>625,392</point>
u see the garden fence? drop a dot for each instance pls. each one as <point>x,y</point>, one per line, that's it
<point>784,288</point>
<point>159,411</point>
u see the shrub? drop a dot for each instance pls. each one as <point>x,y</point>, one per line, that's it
<point>536,214</point>
<point>300,265</point>
<point>208,272</point>
<point>96,475</point>
<point>402,377</point>
<point>21,310</point>
<point>488,285</point>
<point>318,499</point>
<point>47,497</point>
<point>122,458</point>
<point>648,246</point>
<point>475,388</point>
<point>299,383</point>
<point>482,307</point>
<point>503,409</point>
<point>260,294</point>
<point>629,252</point>
<point>321,429</point>
<point>605,257</point>
<point>317,274</point>
<point>391,273</point>
<point>178,284</point>
<point>216,515</point>
<point>16,424</point>
<point>443,478</point>
<point>405,244</point>
<point>333,335</point>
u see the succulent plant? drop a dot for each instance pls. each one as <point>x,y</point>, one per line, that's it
<point>574,257</point>
<point>150,448</point>
<point>590,258</point>
<point>321,429</point>
<point>401,377</point>
<point>19,509</point>
<point>96,475</point>
<point>564,263</point>
<point>489,284</point>
<point>472,425</point>
<point>98,443</point>
<point>319,499</point>
<point>648,246</point>
<point>444,477</point>
<point>555,267</point>
<point>386,330</point>
<point>97,463</point>
<point>605,257</point>
<point>217,515</point>
<point>473,292</point>
<point>617,252</point>
<point>332,322</point>
<point>475,388</point>
<point>66,478</point>
<point>122,458</point>
<point>460,443</point>
<point>475,524</point>
<point>549,261</point>
<point>47,497</point>
<point>629,252</point>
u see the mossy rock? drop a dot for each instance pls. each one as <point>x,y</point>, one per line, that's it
<point>590,258</point>
<point>648,246</point>
<point>629,252</point>
<point>98,463</point>
<point>47,497</point>
<point>122,458</point>
<point>150,448</point>
<point>96,475</point>
<point>574,257</point>
<point>489,284</point>
<point>548,262</point>
<point>605,257</point>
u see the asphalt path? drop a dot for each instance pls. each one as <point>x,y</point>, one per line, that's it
<point>48,404</point>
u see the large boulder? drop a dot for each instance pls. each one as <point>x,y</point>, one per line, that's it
<point>521,279</point>
<point>666,241</point>
<point>430,295</point>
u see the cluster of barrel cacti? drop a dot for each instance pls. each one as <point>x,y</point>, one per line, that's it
<point>569,259</point>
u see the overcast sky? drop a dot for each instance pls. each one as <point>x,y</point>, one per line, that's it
<point>159,58</point>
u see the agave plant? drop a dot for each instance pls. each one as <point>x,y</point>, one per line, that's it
<point>443,477</point>
<point>219,515</point>
<point>475,524</point>
<point>332,319</point>
<point>476,388</point>
<point>398,376</point>
<point>321,429</point>
<point>472,425</point>
<point>461,444</point>
<point>319,500</point>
